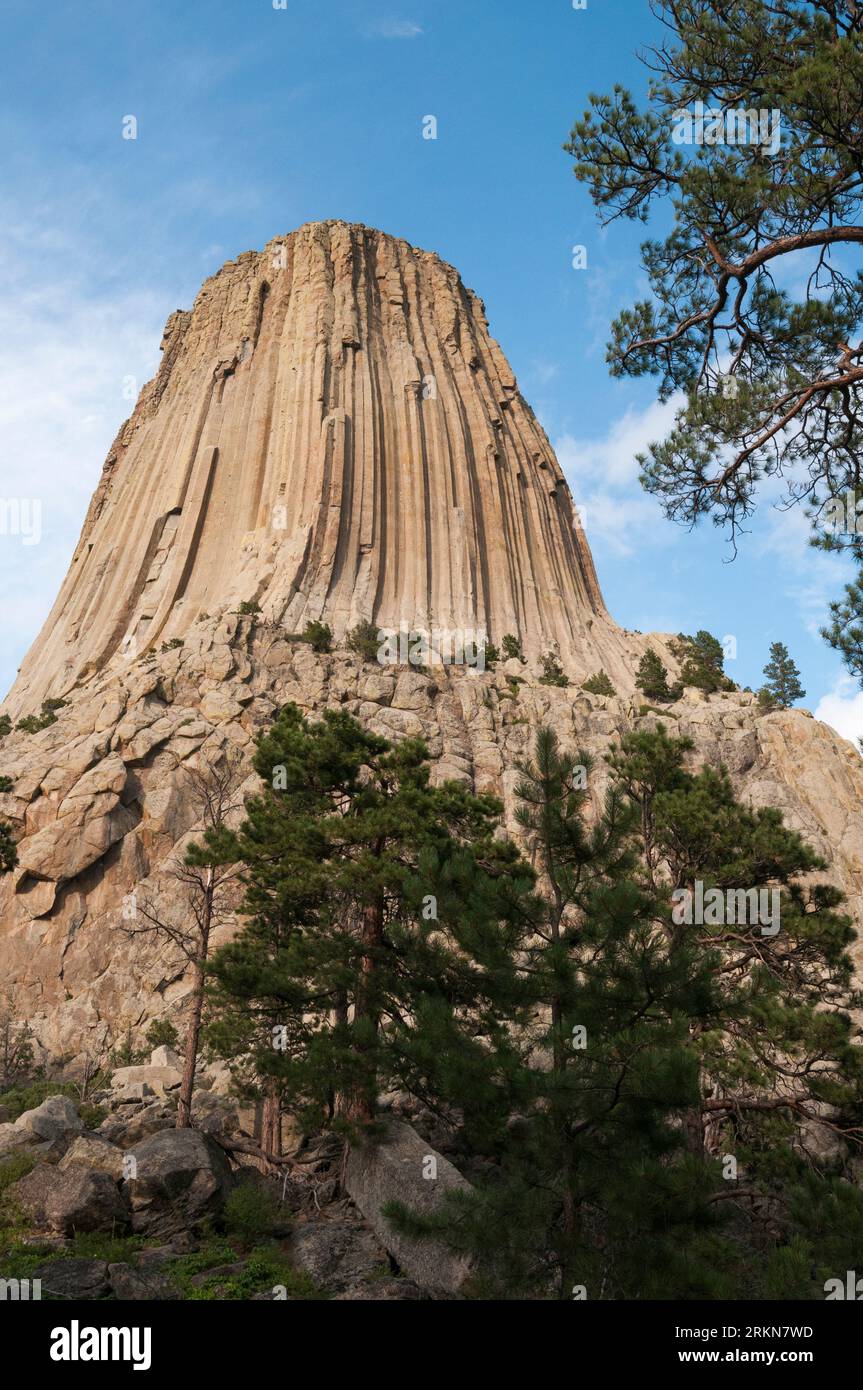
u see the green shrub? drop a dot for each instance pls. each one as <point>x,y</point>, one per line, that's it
<point>655,709</point>
<point>552,671</point>
<point>364,640</point>
<point>104,1245</point>
<point>264,1270</point>
<point>162,1033</point>
<point>33,723</point>
<point>20,1098</point>
<point>251,1211</point>
<point>598,685</point>
<point>127,1055</point>
<point>92,1115</point>
<point>319,636</point>
<point>249,608</point>
<point>512,647</point>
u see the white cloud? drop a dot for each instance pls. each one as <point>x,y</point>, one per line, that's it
<point>603,474</point>
<point>842,708</point>
<point>810,578</point>
<point>68,339</point>
<point>396,29</point>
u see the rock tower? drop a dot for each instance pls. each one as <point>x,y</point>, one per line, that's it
<point>332,435</point>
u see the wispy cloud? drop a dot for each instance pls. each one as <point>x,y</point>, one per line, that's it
<point>394,29</point>
<point>70,347</point>
<point>809,578</point>
<point>842,708</point>
<point>603,473</point>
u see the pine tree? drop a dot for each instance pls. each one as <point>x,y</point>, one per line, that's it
<point>694,1044</point>
<point>783,686</point>
<point>775,1046</point>
<point>364,640</point>
<point>591,1185</point>
<point>511,646</point>
<point>845,631</point>
<point>319,636</point>
<point>775,387</point>
<point>652,678</point>
<point>385,918</point>
<point>702,662</point>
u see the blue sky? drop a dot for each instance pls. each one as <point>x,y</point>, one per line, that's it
<point>253,120</point>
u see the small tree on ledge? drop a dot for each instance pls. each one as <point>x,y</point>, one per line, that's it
<point>552,671</point>
<point>598,685</point>
<point>652,678</point>
<point>511,647</point>
<point>783,686</point>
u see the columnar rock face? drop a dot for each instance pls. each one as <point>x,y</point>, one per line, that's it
<point>333,434</point>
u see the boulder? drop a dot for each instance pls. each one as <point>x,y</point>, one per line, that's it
<point>56,1119</point>
<point>396,1169</point>
<point>181,1176</point>
<point>92,1151</point>
<point>132,1286</point>
<point>166,1057</point>
<point>337,1254</point>
<point>127,1132</point>
<point>135,1094</point>
<point>156,1080</point>
<point>78,1199</point>
<point>78,1279</point>
<point>14,1140</point>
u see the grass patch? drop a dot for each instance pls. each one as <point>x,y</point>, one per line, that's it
<point>266,1268</point>
<point>102,1245</point>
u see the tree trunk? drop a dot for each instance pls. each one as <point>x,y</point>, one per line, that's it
<point>364,1099</point>
<point>190,1061</point>
<point>271,1121</point>
<point>338,1103</point>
